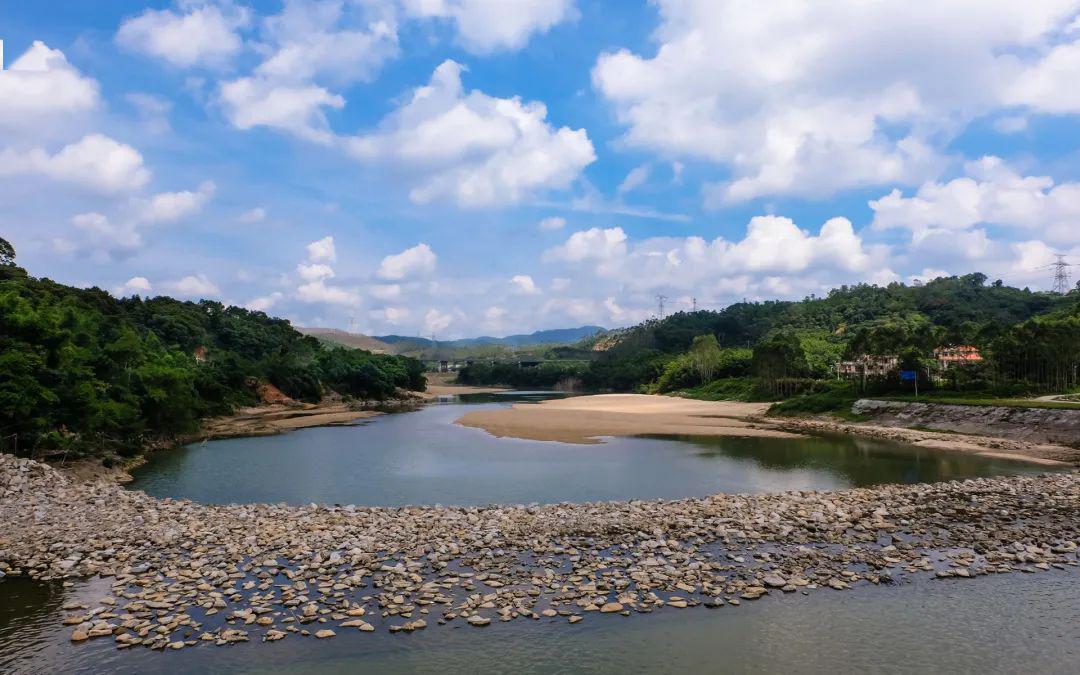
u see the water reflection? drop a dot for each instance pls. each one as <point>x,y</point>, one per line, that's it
<point>422,457</point>
<point>1000,624</point>
<point>858,461</point>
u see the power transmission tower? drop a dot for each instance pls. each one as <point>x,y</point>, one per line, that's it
<point>693,303</point>
<point>1061,275</point>
<point>660,300</point>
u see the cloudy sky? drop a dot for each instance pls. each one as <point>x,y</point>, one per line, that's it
<point>461,167</point>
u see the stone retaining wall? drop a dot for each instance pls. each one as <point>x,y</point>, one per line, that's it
<point>1037,425</point>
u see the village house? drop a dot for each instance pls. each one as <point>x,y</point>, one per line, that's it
<point>869,365</point>
<point>956,355</point>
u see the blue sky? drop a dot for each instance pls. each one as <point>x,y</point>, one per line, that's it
<point>460,167</point>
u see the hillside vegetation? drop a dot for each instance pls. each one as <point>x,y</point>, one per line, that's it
<point>83,372</point>
<point>779,349</point>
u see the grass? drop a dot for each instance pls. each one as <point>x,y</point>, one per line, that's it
<point>743,389</point>
<point>953,398</point>
<point>836,401</point>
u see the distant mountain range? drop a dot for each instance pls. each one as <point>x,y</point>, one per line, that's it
<point>404,343</point>
<point>540,337</point>
<point>355,340</point>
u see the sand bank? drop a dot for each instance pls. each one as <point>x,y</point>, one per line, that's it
<point>584,419</point>
<point>276,419</point>
<point>442,384</point>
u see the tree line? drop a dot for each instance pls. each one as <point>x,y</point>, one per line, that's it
<point>84,372</point>
<point>1029,339</point>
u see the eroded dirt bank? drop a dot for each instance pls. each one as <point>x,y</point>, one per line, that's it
<point>275,419</point>
<point>186,574</point>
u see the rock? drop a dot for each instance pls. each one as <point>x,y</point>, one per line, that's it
<point>273,565</point>
<point>325,633</point>
<point>775,581</point>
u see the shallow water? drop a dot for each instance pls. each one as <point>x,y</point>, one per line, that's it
<point>422,457</point>
<point>1015,623</point>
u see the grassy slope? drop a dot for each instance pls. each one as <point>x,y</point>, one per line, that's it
<point>950,398</point>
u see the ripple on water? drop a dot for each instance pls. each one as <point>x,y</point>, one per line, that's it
<point>422,457</point>
<point>999,624</point>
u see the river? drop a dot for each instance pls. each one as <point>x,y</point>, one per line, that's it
<point>422,457</point>
<point>999,623</point>
<point>1015,623</point>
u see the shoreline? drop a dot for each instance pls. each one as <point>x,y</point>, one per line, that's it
<point>271,571</point>
<point>585,419</point>
<point>1043,454</point>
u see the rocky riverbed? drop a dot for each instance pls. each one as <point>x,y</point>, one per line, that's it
<point>185,574</point>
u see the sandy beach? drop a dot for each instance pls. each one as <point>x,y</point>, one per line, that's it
<point>585,419</point>
<point>442,384</point>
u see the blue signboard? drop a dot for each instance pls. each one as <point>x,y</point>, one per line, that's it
<point>908,376</point>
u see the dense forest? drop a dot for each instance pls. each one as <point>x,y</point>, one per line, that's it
<point>772,350</point>
<point>86,373</point>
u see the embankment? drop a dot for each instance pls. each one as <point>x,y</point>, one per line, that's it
<point>1033,425</point>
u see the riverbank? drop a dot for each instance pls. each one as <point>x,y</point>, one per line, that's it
<point>276,419</point>
<point>442,384</point>
<point>585,419</point>
<point>987,446</point>
<point>185,574</point>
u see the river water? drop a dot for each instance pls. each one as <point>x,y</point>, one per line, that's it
<point>1014,623</point>
<point>422,457</point>
<point>1008,623</point>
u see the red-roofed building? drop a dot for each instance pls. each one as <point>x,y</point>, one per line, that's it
<point>957,355</point>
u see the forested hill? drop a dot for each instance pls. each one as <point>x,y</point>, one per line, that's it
<point>948,310</point>
<point>1030,338</point>
<point>86,372</point>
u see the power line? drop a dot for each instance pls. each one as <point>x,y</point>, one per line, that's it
<point>1061,275</point>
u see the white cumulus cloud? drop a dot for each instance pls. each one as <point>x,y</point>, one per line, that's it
<point>474,148</point>
<point>168,207</point>
<point>488,25</point>
<point>41,87</point>
<point>418,260</point>
<point>134,286</point>
<point>322,250</point>
<point>194,286</point>
<point>96,162</point>
<point>201,34</point>
<point>808,97</point>
<point>991,193</point>
<point>524,284</point>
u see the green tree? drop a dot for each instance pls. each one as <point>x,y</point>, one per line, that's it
<point>705,356</point>
<point>7,253</point>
